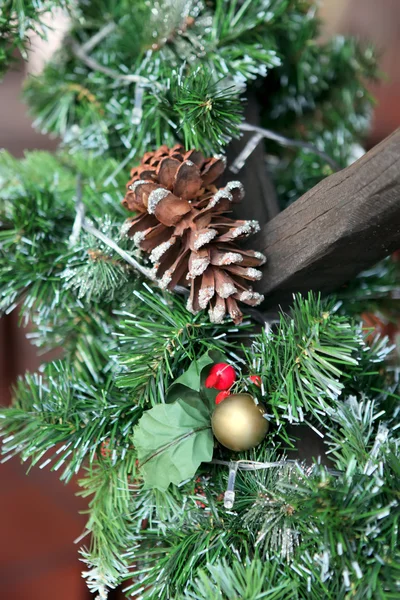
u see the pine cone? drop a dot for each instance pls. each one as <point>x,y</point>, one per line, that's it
<point>182,225</point>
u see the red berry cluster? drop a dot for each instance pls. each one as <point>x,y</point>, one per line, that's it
<point>222,377</point>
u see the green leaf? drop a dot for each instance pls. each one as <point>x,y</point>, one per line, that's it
<point>172,440</point>
<point>193,380</point>
<point>192,377</point>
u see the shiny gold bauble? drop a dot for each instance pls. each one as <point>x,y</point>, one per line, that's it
<point>238,422</point>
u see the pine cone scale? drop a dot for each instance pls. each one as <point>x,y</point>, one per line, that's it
<point>188,181</point>
<point>166,172</point>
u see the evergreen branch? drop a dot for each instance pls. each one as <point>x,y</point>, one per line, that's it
<point>111,523</point>
<point>111,244</point>
<point>209,111</point>
<point>170,566</point>
<point>66,408</point>
<point>245,580</point>
<point>90,62</point>
<point>18,20</point>
<point>158,341</point>
<point>306,361</point>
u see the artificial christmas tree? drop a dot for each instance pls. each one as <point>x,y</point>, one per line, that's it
<point>132,404</point>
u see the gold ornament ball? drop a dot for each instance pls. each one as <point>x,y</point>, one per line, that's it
<point>238,422</point>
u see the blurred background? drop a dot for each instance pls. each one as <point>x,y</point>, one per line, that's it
<point>40,517</point>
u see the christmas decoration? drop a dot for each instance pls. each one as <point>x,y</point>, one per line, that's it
<point>126,408</point>
<point>174,438</point>
<point>171,441</point>
<point>256,379</point>
<point>221,396</point>
<point>238,422</point>
<point>182,224</point>
<point>221,377</point>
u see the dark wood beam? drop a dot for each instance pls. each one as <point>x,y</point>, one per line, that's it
<point>343,225</point>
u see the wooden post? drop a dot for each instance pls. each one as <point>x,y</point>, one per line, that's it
<point>346,223</point>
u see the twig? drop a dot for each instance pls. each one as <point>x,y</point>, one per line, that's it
<point>80,213</point>
<point>121,165</point>
<point>98,37</point>
<point>280,139</point>
<point>111,244</point>
<point>81,223</point>
<point>96,66</point>
<point>249,148</point>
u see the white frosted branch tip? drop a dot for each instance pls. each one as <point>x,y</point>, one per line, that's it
<point>155,198</point>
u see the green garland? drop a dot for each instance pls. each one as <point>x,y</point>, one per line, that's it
<point>127,401</point>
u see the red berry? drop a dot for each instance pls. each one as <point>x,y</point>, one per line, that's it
<point>221,377</point>
<point>221,396</point>
<point>256,379</point>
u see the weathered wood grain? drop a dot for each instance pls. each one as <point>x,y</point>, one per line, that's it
<point>343,225</point>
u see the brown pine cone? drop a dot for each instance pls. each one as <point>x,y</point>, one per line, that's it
<point>181,223</point>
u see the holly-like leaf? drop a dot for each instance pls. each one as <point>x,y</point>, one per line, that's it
<point>172,440</point>
<point>193,379</point>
